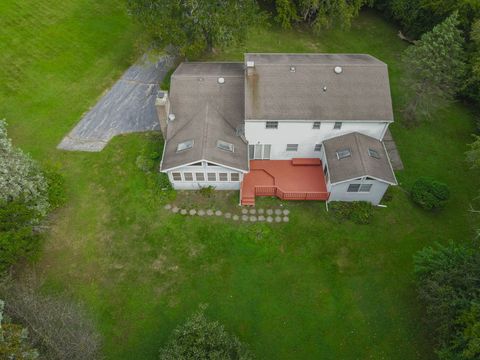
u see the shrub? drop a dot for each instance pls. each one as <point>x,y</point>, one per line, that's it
<point>200,338</point>
<point>429,194</point>
<point>360,212</point>
<point>164,182</point>
<point>207,191</point>
<point>20,176</point>
<point>146,162</point>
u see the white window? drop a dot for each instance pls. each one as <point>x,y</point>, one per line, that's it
<point>176,176</point>
<point>212,176</point>
<point>292,147</point>
<point>338,125</point>
<point>316,125</point>
<point>223,145</point>
<point>318,147</point>
<point>374,153</point>
<point>271,125</point>
<point>234,176</point>
<point>365,188</point>
<point>199,176</point>
<point>353,187</point>
<point>185,145</point>
<point>223,176</point>
<point>259,151</point>
<point>188,176</point>
<point>343,153</point>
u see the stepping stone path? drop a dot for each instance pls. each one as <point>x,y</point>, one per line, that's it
<point>247,214</point>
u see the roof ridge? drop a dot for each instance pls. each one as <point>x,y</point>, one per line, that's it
<point>205,132</point>
<point>355,134</point>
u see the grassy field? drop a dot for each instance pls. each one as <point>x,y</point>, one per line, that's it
<point>310,289</point>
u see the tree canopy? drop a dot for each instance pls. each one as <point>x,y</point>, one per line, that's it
<point>435,67</point>
<point>201,339</point>
<point>192,27</point>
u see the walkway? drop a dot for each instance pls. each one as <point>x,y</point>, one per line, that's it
<point>297,179</point>
<point>129,106</point>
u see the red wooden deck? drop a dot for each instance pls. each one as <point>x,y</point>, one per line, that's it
<point>296,179</point>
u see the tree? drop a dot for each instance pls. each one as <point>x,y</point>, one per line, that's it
<point>435,68</point>
<point>60,328</point>
<point>448,282</point>
<point>319,14</point>
<point>14,341</point>
<point>473,155</point>
<point>195,26</point>
<point>20,177</point>
<point>201,339</point>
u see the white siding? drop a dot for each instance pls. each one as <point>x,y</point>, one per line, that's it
<point>204,170</point>
<point>338,192</point>
<point>303,134</point>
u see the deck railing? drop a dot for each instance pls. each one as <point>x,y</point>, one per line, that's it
<point>290,195</point>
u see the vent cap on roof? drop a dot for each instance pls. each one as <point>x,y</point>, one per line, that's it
<point>221,80</point>
<point>338,69</point>
<point>171,117</point>
<point>250,64</point>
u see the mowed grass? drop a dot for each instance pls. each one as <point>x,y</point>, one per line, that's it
<point>314,288</point>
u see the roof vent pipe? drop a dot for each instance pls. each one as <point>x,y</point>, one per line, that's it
<point>171,117</point>
<point>221,80</point>
<point>338,70</point>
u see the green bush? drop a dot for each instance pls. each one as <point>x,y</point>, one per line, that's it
<point>430,194</point>
<point>207,191</point>
<point>360,212</point>
<point>200,338</point>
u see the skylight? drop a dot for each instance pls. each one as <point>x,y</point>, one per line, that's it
<point>374,153</point>
<point>186,145</point>
<point>225,145</point>
<point>344,153</point>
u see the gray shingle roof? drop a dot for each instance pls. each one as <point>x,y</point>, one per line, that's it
<point>360,163</point>
<point>205,112</point>
<point>360,92</point>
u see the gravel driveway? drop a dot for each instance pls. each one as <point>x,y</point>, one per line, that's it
<point>129,106</point>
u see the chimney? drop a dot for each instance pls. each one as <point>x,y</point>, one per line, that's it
<point>162,103</point>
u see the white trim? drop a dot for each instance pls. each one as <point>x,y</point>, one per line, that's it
<point>389,162</point>
<point>323,121</point>
<point>211,162</point>
<point>363,179</point>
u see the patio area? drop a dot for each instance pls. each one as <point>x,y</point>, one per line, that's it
<point>296,179</point>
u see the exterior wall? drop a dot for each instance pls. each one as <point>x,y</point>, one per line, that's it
<point>338,192</point>
<point>302,133</point>
<point>204,168</point>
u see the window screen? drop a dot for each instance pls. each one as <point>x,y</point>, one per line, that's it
<point>199,176</point>
<point>212,176</point>
<point>234,176</point>
<point>177,176</point>
<point>318,147</point>
<point>271,125</point>
<point>338,125</point>
<point>365,188</point>
<point>292,147</point>
<point>188,176</point>
<point>223,176</point>
<point>316,125</point>
<point>353,188</point>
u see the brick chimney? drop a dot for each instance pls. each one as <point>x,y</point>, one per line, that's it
<point>162,103</point>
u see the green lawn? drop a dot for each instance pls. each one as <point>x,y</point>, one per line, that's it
<point>310,289</point>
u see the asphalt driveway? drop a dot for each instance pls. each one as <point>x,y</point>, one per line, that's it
<point>129,106</point>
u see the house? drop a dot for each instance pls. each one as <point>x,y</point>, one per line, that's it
<point>296,126</point>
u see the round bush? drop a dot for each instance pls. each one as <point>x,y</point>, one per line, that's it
<point>429,193</point>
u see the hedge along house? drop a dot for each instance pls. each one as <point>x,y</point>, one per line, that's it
<point>267,126</point>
